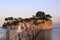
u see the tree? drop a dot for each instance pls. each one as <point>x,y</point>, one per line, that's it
<point>15,19</point>
<point>33,16</point>
<point>6,19</point>
<point>48,16</point>
<point>10,18</point>
<point>7,30</point>
<point>5,23</point>
<point>40,15</point>
<point>19,18</point>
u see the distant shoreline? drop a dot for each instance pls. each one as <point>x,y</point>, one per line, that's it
<point>56,27</point>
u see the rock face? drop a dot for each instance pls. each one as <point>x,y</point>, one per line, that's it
<point>45,25</point>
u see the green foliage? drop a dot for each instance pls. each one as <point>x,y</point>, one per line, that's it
<point>6,19</point>
<point>10,18</point>
<point>41,15</point>
<point>16,19</point>
<point>48,15</point>
<point>15,22</point>
<point>19,18</point>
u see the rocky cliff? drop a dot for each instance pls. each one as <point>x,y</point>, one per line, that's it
<point>45,24</point>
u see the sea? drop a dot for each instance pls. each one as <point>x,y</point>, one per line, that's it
<point>53,34</point>
<point>3,34</point>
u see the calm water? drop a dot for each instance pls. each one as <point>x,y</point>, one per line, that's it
<point>53,34</point>
<point>43,35</point>
<point>3,33</point>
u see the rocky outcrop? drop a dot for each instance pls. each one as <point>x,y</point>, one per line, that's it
<point>45,24</point>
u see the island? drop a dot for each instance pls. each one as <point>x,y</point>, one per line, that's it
<point>43,21</point>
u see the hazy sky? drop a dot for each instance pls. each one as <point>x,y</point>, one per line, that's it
<point>26,8</point>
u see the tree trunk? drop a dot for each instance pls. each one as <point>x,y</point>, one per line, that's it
<point>16,36</point>
<point>8,33</point>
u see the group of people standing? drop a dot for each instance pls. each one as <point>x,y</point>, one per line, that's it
<point>26,29</point>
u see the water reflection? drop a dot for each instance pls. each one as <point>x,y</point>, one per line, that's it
<point>44,35</point>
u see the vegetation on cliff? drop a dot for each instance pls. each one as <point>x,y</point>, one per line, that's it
<point>38,16</point>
